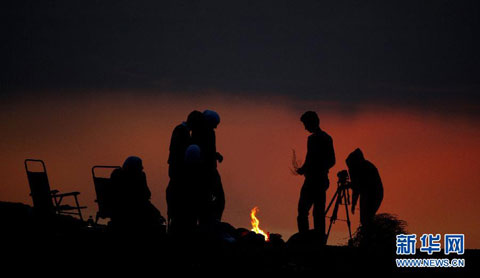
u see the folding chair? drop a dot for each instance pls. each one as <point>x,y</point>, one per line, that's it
<point>104,191</point>
<point>45,200</point>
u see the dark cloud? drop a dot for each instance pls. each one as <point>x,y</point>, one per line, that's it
<point>406,51</point>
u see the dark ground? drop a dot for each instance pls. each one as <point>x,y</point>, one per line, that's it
<point>66,244</point>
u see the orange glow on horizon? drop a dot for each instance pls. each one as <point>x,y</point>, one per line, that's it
<point>429,163</point>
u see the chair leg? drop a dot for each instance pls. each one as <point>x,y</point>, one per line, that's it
<point>78,208</point>
<point>59,203</point>
<point>57,210</point>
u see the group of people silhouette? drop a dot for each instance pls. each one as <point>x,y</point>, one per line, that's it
<point>195,196</point>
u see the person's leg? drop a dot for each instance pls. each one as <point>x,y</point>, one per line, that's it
<point>219,203</point>
<point>369,206</point>
<point>319,213</point>
<point>367,209</point>
<point>304,204</point>
<point>171,198</point>
<point>319,206</point>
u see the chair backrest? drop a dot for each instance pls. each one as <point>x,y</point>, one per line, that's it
<point>39,188</point>
<point>105,191</point>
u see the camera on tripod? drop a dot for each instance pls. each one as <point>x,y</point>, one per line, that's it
<point>343,179</point>
<point>341,198</point>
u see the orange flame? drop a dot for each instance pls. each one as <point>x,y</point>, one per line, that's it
<point>255,224</point>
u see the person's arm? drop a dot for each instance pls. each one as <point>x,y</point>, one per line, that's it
<point>218,156</point>
<point>308,158</point>
<point>330,154</point>
<point>327,154</point>
<point>355,189</point>
<point>355,195</point>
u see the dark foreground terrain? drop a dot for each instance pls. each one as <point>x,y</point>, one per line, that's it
<point>64,245</point>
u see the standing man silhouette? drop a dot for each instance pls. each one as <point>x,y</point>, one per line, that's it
<point>319,159</point>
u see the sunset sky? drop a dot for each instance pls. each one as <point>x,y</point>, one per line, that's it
<point>92,83</point>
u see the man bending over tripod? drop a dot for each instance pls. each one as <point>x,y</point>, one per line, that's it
<point>320,158</point>
<point>366,184</point>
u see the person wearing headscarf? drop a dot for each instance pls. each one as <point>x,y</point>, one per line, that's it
<point>205,138</point>
<point>193,198</point>
<point>366,184</point>
<point>179,142</point>
<point>132,199</point>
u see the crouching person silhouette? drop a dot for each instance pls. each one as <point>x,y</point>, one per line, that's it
<point>319,159</point>
<point>366,184</point>
<point>133,210</point>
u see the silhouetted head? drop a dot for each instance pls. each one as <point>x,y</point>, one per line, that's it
<point>355,158</point>
<point>310,120</point>
<point>133,164</point>
<point>193,154</point>
<point>195,119</point>
<point>212,118</point>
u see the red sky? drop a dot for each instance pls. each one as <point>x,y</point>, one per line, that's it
<point>429,163</point>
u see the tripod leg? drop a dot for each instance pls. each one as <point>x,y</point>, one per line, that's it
<point>348,217</point>
<point>328,233</point>
<point>331,202</point>
<point>338,200</point>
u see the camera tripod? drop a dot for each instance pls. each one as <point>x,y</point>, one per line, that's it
<point>341,197</point>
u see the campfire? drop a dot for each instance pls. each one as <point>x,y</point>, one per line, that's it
<point>255,224</point>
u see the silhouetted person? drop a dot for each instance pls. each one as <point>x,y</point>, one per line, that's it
<point>180,140</point>
<point>319,159</point>
<point>366,184</point>
<point>206,140</point>
<point>193,194</point>
<point>132,206</point>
